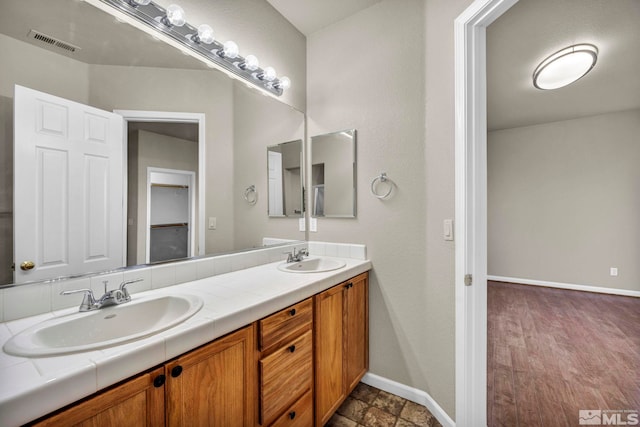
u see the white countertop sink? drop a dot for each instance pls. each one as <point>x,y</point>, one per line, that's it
<point>312,265</point>
<point>104,327</point>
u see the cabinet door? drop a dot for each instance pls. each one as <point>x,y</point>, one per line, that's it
<point>216,384</point>
<point>329,326</point>
<point>356,330</point>
<point>137,402</point>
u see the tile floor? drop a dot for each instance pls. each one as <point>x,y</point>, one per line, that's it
<point>367,406</point>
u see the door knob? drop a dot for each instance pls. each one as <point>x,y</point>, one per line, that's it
<point>27,265</point>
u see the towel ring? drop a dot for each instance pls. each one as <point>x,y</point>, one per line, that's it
<point>378,179</point>
<point>251,195</point>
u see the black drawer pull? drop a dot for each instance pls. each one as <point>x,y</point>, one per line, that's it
<point>348,285</point>
<point>159,381</point>
<point>292,312</point>
<point>292,414</point>
<point>176,371</point>
<point>292,348</point>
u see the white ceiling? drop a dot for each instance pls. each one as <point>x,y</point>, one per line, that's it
<point>534,29</point>
<point>309,16</point>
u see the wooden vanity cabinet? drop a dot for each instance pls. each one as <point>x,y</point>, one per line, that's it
<point>341,321</point>
<point>291,369</point>
<point>139,402</point>
<point>286,366</point>
<point>213,385</point>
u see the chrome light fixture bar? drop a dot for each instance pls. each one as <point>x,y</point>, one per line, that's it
<point>171,22</point>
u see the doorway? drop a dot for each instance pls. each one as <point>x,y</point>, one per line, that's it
<point>163,129</point>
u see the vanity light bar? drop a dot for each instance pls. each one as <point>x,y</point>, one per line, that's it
<point>224,55</point>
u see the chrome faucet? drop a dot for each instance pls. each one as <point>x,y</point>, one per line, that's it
<point>113,297</point>
<point>297,257</point>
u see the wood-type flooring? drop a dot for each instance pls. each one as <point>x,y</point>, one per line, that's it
<point>554,352</point>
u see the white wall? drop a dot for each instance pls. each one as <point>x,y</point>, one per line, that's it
<point>564,201</point>
<point>392,79</point>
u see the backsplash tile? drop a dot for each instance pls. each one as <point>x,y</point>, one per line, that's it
<point>26,300</point>
<point>205,267</point>
<point>45,297</point>
<point>163,276</point>
<point>186,272</point>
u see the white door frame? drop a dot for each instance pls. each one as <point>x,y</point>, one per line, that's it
<point>471,208</point>
<point>173,117</point>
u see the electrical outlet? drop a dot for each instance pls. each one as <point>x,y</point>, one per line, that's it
<point>613,271</point>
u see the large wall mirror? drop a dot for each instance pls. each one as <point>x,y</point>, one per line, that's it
<point>204,165</point>
<point>333,175</point>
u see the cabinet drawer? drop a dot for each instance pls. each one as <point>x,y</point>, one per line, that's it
<point>280,327</point>
<point>300,414</point>
<point>284,376</point>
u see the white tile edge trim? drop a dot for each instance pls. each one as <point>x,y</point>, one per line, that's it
<point>413,394</point>
<point>572,286</point>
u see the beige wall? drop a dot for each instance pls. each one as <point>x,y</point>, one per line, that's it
<point>161,89</point>
<point>564,201</point>
<point>259,123</point>
<point>396,89</point>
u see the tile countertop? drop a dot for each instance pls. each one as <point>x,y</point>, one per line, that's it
<point>33,387</point>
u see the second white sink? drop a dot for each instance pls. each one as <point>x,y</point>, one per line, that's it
<point>105,327</point>
<point>312,265</point>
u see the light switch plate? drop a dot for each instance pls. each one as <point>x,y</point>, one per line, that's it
<point>448,229</point>
<point>613,271</point>
<point>213,222</point>
<point>313,225</point>
<point>301,225</point>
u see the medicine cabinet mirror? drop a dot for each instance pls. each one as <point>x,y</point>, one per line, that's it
<point>333,175</point>
<point>285,177</point>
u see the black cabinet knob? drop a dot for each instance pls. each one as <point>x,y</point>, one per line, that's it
<point>159,381</point>
<point>292,414</point>
<point>176,371</point>
<point>292,312</point>
<point>292,348</point>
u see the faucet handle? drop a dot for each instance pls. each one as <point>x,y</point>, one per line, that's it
<point>123,288</point>
<point>88,301</point>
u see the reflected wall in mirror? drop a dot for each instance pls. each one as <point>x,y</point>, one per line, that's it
<point>121,68</point>
<point>284,174</point>
<point>333,175</point>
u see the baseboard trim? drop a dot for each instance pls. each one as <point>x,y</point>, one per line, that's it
<point>409,393</point>
<point>585,288</point>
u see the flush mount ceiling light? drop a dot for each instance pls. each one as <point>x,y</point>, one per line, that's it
<point>171,22</point>
<point>565,66</point>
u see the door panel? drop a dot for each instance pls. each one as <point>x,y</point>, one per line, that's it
<point>68,187</point>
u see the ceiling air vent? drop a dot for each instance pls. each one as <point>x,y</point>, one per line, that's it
<point>51,41</point>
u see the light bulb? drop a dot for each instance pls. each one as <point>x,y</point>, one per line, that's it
<point>250,63</point>
<point>268,74</point>
<point>229,49</point>
<point>205,34</point>
<point>284,83</point>
<point>175,15</point>
<point>141,2</point>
